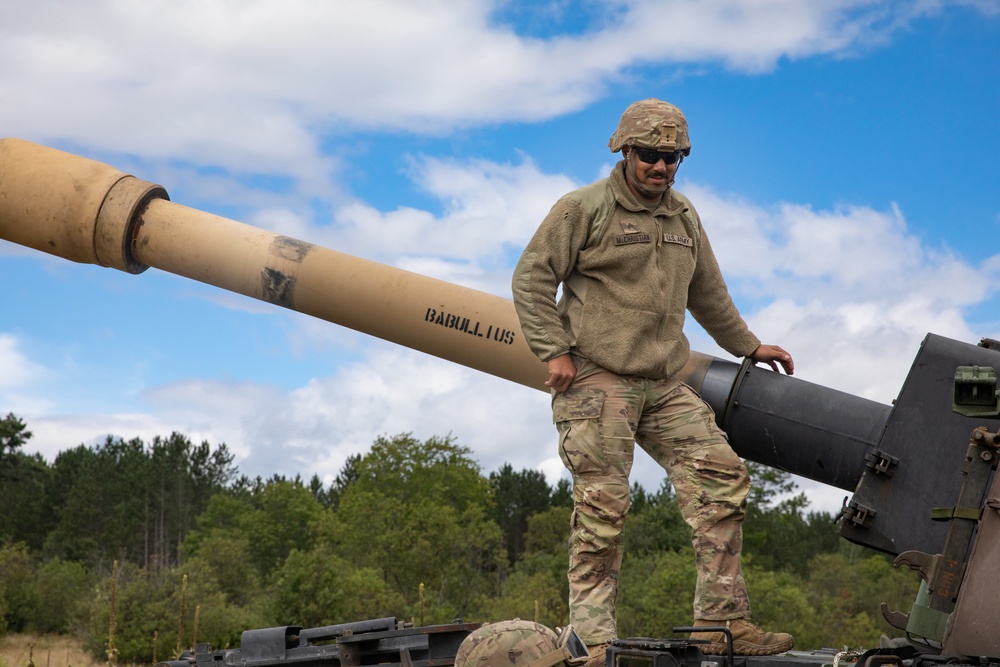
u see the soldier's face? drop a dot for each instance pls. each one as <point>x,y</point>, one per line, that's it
<point>648,181</point>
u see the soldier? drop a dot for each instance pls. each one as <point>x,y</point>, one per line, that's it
<point>631,255</point>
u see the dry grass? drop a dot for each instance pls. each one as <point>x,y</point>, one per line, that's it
<point>44,651</point>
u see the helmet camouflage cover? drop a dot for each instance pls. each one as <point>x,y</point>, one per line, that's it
<point>652,124</point>
<point>514,643</point>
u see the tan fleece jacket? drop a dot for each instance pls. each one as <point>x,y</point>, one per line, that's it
<point>628,276</point>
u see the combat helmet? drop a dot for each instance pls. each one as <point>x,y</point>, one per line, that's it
<point>520,643</point>
<point>652,123</point>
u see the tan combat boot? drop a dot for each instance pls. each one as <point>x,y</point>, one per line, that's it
<point>748,639</point>
<point>598,656</point>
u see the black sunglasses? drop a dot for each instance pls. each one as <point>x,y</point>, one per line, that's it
<point>649,156</point>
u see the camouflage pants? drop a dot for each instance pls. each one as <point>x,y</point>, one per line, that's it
<point>600,418</point>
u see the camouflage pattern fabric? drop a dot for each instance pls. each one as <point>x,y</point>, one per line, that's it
<point>508,644</point>
<point>652,123</point>
<point>600,418</point>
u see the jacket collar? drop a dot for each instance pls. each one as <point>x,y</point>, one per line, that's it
<point>669,203</point>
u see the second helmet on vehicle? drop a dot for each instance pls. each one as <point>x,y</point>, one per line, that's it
<point>520,643</point>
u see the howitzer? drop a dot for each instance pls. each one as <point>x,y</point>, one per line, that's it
<point>902,464</point>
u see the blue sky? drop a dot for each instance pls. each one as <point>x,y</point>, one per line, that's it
<point>843,162</point>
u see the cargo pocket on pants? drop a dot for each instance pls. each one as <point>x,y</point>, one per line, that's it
<point>577,416</point>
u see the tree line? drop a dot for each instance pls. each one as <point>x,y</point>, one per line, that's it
<point>169,537</point>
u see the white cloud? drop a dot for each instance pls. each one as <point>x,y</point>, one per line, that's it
<point>21,379</point>
<point>257,86</point>
<point>745,36</point>
<point>16,367</point>
<point>54,433</point>
<point>850,292</point>
<point>490,211</point>
<point>314,428</point>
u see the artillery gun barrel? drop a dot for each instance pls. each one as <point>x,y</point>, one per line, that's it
<point>782,422</point>
<point>89,212</point>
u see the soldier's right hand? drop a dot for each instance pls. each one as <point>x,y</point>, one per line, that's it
<point>562,372</point>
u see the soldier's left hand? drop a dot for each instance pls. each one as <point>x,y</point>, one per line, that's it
<point>770,354</point>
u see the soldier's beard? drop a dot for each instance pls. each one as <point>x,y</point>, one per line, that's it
<point>652,191</point>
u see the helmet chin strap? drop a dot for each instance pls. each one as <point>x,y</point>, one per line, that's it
<point>638,187</point>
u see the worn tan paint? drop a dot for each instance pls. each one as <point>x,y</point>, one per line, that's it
<point>89,212</point>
